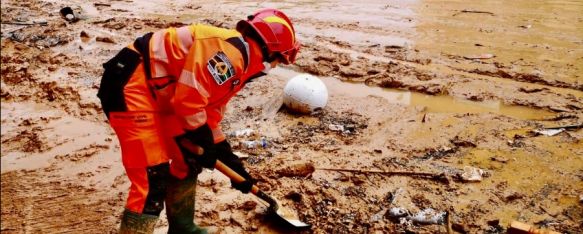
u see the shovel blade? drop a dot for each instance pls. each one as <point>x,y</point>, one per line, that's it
<point>283,214</point>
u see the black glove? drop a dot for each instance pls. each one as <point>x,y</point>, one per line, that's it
<point>203,137</point>
<point>226,155</point>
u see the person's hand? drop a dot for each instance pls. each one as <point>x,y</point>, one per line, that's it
<point>198,148</point>
<point>197,155</point>
<point>226,156</point>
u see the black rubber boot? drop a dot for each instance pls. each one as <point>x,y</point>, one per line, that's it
<point>180,206</point>
<point>134,223</point>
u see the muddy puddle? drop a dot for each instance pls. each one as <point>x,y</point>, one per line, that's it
<point>430,103</point>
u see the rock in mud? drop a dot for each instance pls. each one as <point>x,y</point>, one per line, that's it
<point>297,170</point>
<point>105,40</point>
<point>248,205</point>
<point>472,174</point>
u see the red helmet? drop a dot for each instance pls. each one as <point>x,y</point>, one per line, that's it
<point>276,31</point>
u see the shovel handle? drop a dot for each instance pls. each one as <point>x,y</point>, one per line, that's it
<point>226,170</point>
<point>233,175</point>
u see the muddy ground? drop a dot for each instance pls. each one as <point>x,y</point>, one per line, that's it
<point>419,86</point>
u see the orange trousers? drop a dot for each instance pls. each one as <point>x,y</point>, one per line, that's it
<point>149,151</point>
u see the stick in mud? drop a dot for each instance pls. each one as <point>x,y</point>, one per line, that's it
<point>472,11</point>
<point>25,23</point>
<point>404,173</point>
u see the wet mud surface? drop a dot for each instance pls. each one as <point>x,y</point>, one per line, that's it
<point>448,92</point>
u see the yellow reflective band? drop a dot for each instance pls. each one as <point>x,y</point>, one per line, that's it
<point>275,19</point>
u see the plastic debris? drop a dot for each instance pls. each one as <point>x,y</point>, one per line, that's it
<point>472,174</point>
<point>68,14</point>
<point>242,133</point>
<point>336,127</point>
<point>429,216</point>
<point>255,144</point>
<point>397,212</point>
<point>549,132</point>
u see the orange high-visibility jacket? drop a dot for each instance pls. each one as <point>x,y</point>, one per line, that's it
<point>195,71</point>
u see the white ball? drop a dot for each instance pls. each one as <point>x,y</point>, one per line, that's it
<point>305,93</point>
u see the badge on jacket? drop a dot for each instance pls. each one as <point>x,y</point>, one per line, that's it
<point>220,68</point>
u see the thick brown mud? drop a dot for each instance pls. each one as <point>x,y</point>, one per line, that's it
<point>447,88</point>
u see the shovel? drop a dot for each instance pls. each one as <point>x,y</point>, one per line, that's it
<point>275,210</point>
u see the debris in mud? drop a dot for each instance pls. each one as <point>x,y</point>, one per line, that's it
<point>439,153</point>
<point>480,56</point>
<point>247,132</point>
<point>297,170</point>
<point>532,90</point>
<point>429,216</point>
<point>553,131</point>
<point>105,39</point>
<point>549,132</point>
<point>457,141</point>
<point>68,14</point>
<point>396,213</point>
<point>474,11</point>
<point>472,174</point>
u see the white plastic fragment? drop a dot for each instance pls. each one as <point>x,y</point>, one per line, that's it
<point>243,132</point>
<point>472,174</point>
<point>429,216</point>
<point>336,127</point>
<point>549,132</point>
<point>397,212</point>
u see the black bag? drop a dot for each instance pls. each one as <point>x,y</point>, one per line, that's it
<point>118,71</point>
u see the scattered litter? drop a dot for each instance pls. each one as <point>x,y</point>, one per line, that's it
<point>472,174</point>
<point>397,212</point>
<point>480,56</point>
<point>255,144</point>
<point>241,154</point>
<point>552,131</point>
<point>69,14</point>
<point>549,132</point>
<point>429,216</point>
<point>242,133</point>
<point>336,127</point>
<point>378,216</point>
